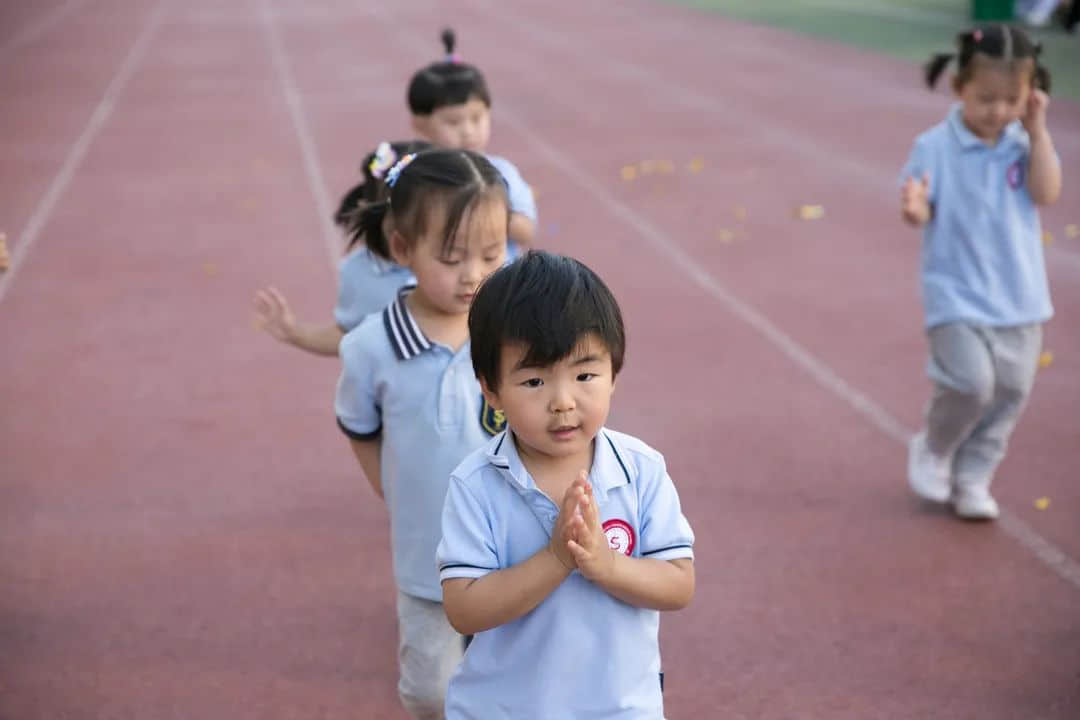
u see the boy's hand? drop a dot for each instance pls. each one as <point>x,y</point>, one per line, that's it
<point>1035,116</point>
<point>588,543</point>
<point>563,531</point>
<point>273,314</point>
<point>915,200</point>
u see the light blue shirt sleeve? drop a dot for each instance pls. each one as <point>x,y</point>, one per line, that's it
<point>665,531</point>
<point>467,548</point>
<point>519,194</point>
<point>355,401</point>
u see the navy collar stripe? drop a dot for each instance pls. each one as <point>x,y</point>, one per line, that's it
<point>401,329</point>
<point>405,335</point>
<point>387,323</point>
<point>666,549</point>
<point>618,457</point>
<point>413,330</point>
<point>465,565</point>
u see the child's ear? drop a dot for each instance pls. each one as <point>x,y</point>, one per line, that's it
<point>490,395</point>
<point>399,248</point>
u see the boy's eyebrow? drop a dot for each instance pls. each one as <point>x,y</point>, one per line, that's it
<point>522,365</point>
<point>583,360</point>
<point>591,357</point>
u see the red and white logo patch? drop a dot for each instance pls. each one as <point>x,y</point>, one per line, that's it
<point>620,536</point>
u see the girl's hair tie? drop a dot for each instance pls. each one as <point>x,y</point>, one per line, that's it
<point>395,172</point>
<point>383,160</point>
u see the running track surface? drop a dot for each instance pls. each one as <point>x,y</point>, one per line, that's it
<point>183,532</point>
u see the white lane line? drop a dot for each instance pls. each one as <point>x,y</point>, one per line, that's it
<point>308,149</point>
<point>59,185</point>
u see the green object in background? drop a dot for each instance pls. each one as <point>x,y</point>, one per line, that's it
<point>1001,10</point>
<point>908,29</point>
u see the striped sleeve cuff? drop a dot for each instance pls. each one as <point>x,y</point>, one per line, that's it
<point>459,570</point>
<point>671,552</point>
<point>359,435</point>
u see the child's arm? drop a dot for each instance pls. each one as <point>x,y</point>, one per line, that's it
<point>368,453</point>
<point>477,604</point>
<point>358,402</point>
<point>273,314</point>
<point>1044,168</point>
<point>522,201</point>
<point>522,230</point>
<point>641,582</point>
<point>915,207</point>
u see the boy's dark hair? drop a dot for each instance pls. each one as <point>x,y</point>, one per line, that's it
<point>457,180</point>
<point>446,82</point>
<point>1003,43</point>
<point>373,187</point>
<point>547,302</point>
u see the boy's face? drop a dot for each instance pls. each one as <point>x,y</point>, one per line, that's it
<point>458,127</point>
<point>555,411</point>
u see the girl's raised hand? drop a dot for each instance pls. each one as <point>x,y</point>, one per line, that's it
<point>1035,115</point>
<point>588,544</point>
<point>273,314</point>
<point>915,200</point>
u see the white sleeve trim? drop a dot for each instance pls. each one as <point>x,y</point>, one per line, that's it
<point>461,571</point>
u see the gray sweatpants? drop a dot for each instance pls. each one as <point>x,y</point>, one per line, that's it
<point>982,379</point>
<point>429,651</point>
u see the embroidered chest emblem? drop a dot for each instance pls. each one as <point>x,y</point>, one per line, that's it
<point>620,536</point>
<point>1015,175</point>
<point>493,421</point>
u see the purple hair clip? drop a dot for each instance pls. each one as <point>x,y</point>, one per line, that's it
<point>977,36</point>
<point>395,172</point>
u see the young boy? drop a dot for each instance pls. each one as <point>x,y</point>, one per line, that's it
<point>450,105</point>
<point>561,539</point>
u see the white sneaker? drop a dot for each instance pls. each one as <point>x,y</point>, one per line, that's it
<point>974,502</point>
<point>928,474</point>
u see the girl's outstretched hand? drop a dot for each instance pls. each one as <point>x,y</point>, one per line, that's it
<point>273,314</point>
<point>915,200</point>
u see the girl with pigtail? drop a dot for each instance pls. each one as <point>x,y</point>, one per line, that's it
<point>973,184</point>
<point>367,280</point>
<point>408,398</point>
<point>450,105</point>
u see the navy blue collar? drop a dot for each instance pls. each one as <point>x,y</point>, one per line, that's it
<point>406,337</point>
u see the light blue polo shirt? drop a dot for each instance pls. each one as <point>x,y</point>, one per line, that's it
<point>581,653</point>
<point>424,400</point>
<point>518,195</point>
<point>366,284</point>
<point>982,253</point>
